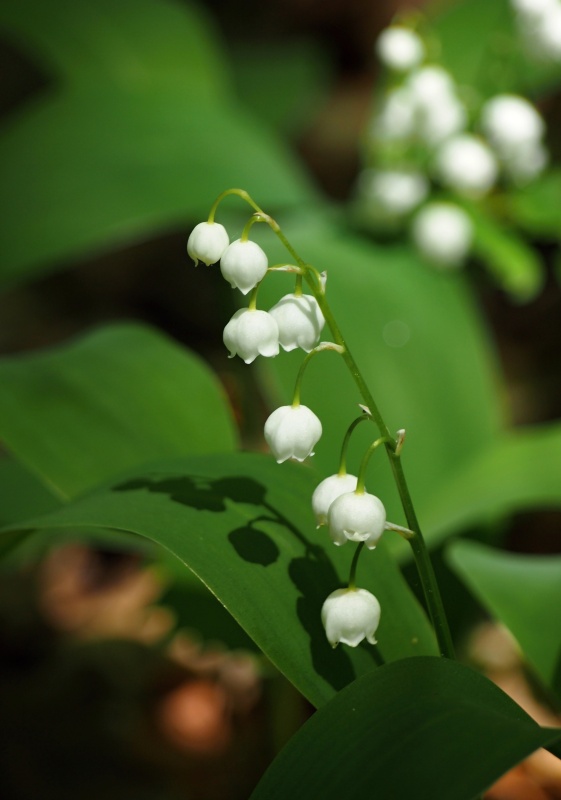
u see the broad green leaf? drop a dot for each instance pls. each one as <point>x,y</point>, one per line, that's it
<point>244,526</point>
<point>136,138</point>
<point>133,43</point>
<point>523,592</point>
<point>517,472</point>
<point>283,82</point>
<point>472,35</point>
<point>513,263</point>
<point>482,46</point>
<point>416,337</point>
<point>537,207</point>
<point>23,496</point>
<point>118,397</point>
<point>423,728</point>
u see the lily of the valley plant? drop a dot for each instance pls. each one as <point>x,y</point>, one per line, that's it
<point>341,501</point>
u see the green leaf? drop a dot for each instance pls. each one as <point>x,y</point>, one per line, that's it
<point>523,592</point>
<point>244,526</point>
<point>481,45</point>
<point>472,35</point>
<point>515,265</point>
<point>118,397</point>
<point>423,728</point>
<point>136,139</point>
<point>23,496</point>
<point>419,342</point>
<point>517,472</point>
<point>537,207</point>
<point>284,83</point>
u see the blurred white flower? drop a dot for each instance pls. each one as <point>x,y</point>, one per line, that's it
<point>527,162</point>
<point>443,234</point>
<point>400,49</point>
<point>439,113</point>
<point>243,265</point>
<point>349,616</point>
<point>329,490</point>
<point>207,242</point>
<point>356,517</point>
<point>430,84</point>
<point>395,191</point>
<point>533,8</point>
<point>300,321</point>
<point>539,23</point>
<point>509,121</point>
<point>292,432</point>
<point>442,120</point>
<point>547,34</point>
<point>467,164</point>
<point>395,120</point>
<point>515,129</point>
<point>251,333</point>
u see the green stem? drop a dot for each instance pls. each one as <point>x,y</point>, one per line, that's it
<point>343,460</point>
<point>422,559</point>
<point>360,484</point>
<point>352,576</point>
<point>424,567</point>
<point>319,349</point>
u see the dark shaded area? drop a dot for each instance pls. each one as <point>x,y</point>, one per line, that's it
<point>253,545</point>
<point>310,574</point>
<point>200,493</point>
<point>82,719</point>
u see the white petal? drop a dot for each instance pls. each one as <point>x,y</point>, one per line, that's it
<point>207,242</point>
<point>243,265</point>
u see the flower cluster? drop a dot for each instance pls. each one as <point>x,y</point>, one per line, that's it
<point>339,502</point>
<point>430,135</point>
<point>295,321</point>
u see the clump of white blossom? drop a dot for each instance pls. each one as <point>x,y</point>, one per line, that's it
<point>340,502</point>
<point>435,146</point>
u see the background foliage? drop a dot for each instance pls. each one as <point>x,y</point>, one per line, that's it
<point>131,119</point>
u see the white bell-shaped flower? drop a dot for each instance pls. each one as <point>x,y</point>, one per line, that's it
<point>397,192</point>
<point>300,321</point>
<point>443,234</point>
<point>356,517</point>
<point>349,616</point>
<point>429,85</point>
<point>466,163</point>
<point>292,432</point>
<point>510,122</point>
<point>329,490</point>
<point>251,333</point>
<point>207,242</point>
<point>527,162</point>
<point>243,265</point>
<point>400,48</point>
<point>396,116</point>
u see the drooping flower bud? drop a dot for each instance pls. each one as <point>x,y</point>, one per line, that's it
<point>400,48</point>
<point>466,163</point>
<point>207,242</point>
<point>292,432</point>
<point>300,321</point>
<point>349,616</point>
<point>443,233</point>
<point>251,333</point>
<point>358,518</point>
<point>395,191</point>
<point>243,265</point>
<point>328,491</point>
